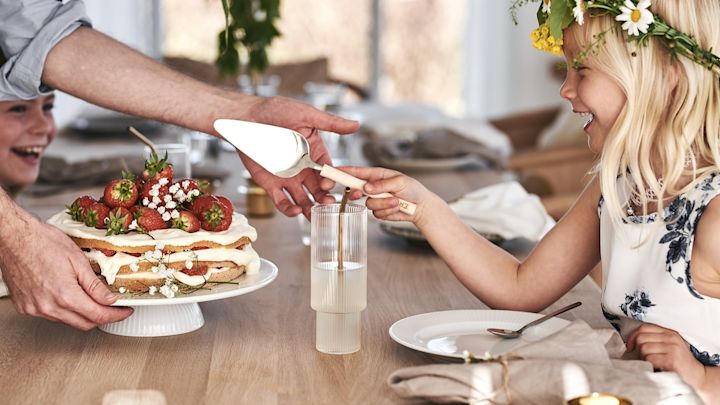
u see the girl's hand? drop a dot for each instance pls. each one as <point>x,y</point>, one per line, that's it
<point>380,180</point>
<point>667,351</point>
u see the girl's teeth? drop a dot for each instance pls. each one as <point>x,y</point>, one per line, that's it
<point>29,150</point>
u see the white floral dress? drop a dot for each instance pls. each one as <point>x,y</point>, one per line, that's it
<point>646,273</point>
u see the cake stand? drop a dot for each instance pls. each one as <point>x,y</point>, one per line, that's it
<point>160,316</point>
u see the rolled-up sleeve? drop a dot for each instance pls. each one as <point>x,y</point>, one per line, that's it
<point>28,30</point>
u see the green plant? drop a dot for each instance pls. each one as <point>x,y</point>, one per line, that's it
<point>249,31</point>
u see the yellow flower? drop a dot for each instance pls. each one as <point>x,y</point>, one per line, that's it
<point>544,41</point>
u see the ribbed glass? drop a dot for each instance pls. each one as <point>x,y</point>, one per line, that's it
<point>333,290</point>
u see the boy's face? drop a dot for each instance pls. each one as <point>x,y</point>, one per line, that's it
<point>591,93</point>
<point>26,129</point>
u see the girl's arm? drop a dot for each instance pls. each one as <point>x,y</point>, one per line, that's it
<point>560,260</point>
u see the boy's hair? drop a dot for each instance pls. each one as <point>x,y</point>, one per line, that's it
<point>673,104</point>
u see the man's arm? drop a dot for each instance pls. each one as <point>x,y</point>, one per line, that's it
<point>98,69</point>
<point>48,276</point>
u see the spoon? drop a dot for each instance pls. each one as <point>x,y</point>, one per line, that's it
<point>512,334</point>
<point>285,153</point>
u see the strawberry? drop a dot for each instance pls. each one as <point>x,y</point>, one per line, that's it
<point>187,221</point>
<point>196,271</point>
<point>228,205</point>
<point>119,221</point>
<point>126,174</point>
<point>203,203</point>
<point>154,192</point>
<point>97,215</point>
<point>156,168</point>
<point>78,208</point>
<point>120,193</point>
<point>214,218</point>
<point>148,219</point>
<point>107,252</point>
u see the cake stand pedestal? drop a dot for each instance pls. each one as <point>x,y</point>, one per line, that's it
<point>160,316</point>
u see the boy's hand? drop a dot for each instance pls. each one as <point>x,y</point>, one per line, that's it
<point>667,351</point>
<point>382,180</point>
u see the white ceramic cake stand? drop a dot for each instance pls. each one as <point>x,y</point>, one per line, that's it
<point>160,316</point>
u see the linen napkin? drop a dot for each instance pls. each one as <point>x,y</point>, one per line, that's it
<point>503,209</point>
<point>573,362</point>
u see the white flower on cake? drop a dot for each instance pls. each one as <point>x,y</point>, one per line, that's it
<point>637,18</point>
<point>188,264</point>
<point>134,267</point>
<point>167,291</point>
<point>152,290</point>
<point>121,290</point>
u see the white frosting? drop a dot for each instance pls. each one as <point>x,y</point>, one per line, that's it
<point>175,237</point>
<point>110,265</point>
<point>192,281</point>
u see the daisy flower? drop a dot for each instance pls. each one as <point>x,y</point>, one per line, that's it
<point>546,6</point>
<point>579,11</point>
<point>637,18</point>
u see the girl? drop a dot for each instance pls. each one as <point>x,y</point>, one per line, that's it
<point>651,206</point>
<point>26,129</point>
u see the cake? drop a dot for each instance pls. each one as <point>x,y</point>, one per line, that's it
<point>151,234</point>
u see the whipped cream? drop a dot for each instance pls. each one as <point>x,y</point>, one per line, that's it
<point>175,237</point>
<point>109,266</point>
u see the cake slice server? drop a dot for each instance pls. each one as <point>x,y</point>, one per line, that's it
<point>285,153</point>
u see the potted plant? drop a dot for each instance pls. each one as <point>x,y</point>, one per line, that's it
<point>249,31</point>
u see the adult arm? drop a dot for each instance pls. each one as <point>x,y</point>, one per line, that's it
<point>48,276</point>
<point>98,69</point>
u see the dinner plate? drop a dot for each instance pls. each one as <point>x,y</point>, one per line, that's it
<point>449,333</point>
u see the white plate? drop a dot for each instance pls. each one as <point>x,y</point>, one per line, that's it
<point>449,333</point>
<point>247,283</point>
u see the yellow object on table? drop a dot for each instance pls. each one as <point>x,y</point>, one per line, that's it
<point>597,398</point>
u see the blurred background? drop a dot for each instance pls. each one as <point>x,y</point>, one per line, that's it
<point>464,57</point>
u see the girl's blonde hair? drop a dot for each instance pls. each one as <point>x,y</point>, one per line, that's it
<point>672,112</point>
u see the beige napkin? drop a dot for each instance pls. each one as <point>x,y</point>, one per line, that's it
<point>570,363</point>
<point>503,209</point>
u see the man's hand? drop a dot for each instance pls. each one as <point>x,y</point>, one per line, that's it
<point>306,120</point>
<point>49,277</point>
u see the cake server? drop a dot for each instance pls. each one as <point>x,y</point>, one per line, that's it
<point>285,153</point>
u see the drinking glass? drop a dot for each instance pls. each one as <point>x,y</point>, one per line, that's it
<point>338,294</point>
<point>178,155</point>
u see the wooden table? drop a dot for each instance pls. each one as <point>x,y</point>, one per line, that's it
<point>257,348</point>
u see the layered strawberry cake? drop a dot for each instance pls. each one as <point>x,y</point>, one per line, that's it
<point>152,234</point>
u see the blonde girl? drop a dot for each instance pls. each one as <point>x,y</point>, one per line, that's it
<point>650,210</point>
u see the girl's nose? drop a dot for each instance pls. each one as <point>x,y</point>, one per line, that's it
<point>42,123</point>
<point>567,90</point>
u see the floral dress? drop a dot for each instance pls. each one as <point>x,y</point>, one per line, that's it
<point>646,272</point>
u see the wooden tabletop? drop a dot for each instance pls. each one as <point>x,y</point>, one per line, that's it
<point>256,348</point>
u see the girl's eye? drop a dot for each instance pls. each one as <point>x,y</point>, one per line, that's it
<point>17,109</point>
<point>48,107</point>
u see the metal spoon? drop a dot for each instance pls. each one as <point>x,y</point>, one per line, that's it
<point>512,334</point>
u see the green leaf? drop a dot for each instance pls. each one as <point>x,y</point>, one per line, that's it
<point>560,17</point>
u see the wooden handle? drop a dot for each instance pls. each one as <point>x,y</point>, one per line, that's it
<point>348,180</point>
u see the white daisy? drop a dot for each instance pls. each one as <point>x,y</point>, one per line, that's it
<point>546,6</point>
<point>579,11</point>
<point>637,17</point>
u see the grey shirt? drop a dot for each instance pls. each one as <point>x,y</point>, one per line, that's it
<point>28,30</point>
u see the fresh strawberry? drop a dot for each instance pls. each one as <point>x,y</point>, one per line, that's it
<point>203,203</point>
<point>119,221</point>
<point>185,190</point>
<point>154,192</point>
<point>196,271</point>
<point>97,215</point>
<point>134,178</point>
<point>148,219</point>
<point>120,193</point>
<point>78,208</point>
<point>156,168</point>
<point>187,221</point>
<point>215,219</point>
<point>229,208</point>
<point>107,252</point>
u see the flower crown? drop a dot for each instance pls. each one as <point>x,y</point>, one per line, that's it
<point>637,19</point>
